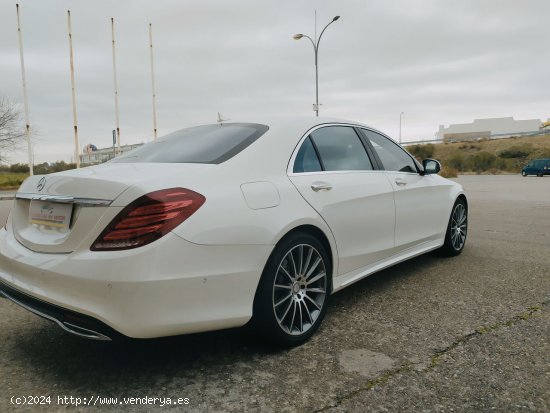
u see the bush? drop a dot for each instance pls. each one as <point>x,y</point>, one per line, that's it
<point>448,172</point>
<point>39,169</point>
<point>422,151</point>
<point>469,146</point>
<point>19,168</point>
<point>48,168</point>
<point>510,165</point>
<point>457,161</point>
<point>509,153</point>
<point>516,151</point>
<point>482,161</point>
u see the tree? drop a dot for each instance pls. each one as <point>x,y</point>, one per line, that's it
<point>11,128</point>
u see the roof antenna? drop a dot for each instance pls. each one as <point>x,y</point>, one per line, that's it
<point>221,119</point>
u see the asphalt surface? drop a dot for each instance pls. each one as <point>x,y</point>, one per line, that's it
<point>463,334</point>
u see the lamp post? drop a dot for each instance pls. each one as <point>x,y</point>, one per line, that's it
<point>315,44</point>
<point>400,116</point>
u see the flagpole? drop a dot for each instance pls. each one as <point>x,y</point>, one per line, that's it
<point>73,93</point>
<point>153,81</point>
<point>115,84</point>
<point>25,98</point>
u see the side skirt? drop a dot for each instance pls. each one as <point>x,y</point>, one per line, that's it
<point>344,280</point>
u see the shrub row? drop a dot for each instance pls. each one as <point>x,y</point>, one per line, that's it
<point>471,157</point>
<point>39,169</point>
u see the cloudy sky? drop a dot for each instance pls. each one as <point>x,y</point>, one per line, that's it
<point>439,61</point>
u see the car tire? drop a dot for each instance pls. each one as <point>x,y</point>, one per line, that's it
<point>523,173</point>
<point>292,296</point>
<point>539,174</point>
<point>457,230</point>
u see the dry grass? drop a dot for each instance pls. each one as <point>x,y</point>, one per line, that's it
<point>493,146</point>
<point>448,172</point>
<point>9,180</point>
<point>492,156</point>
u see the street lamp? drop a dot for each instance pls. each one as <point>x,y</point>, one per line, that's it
<point>315,44</point>
<point>400,116</point>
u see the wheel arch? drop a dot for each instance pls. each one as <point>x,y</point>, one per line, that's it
<point>460,196</point>
<point>258,322</point>
<point>316,232</point>
<point>463,198</point>
<point>319,235</point>
<point>447,249</point>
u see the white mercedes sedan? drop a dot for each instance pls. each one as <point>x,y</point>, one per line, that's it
<point>221,225</point>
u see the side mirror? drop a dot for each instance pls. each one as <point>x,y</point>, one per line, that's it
<point>431,166</point>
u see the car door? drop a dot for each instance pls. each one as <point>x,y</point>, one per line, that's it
<point>421,201</point>
<point>334,173</point>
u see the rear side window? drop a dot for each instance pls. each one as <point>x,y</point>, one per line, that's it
<point>201,144</point>
<point>306,158</point>
<point>340,149</point>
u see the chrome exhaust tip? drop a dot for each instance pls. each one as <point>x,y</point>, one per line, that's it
<point>82,332</point>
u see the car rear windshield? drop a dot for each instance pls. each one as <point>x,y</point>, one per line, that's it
<point>201,144</point>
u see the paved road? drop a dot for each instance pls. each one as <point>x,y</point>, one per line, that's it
<point>467,334</point>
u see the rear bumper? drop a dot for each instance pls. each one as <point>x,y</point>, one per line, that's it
<point>70,321</point>
<point>166,288</point>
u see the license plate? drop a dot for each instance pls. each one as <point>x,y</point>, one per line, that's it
<point>51,214</point>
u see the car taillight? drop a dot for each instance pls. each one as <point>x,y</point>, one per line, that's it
<point>148,218</point>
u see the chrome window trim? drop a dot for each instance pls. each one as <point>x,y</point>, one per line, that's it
<point>290,167</point>
<point>399,146</point>
<point>351,171</point>
<point>62,199</point>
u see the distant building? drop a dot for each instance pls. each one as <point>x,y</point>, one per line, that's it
<point>487,128</point>
<point>91,155</point>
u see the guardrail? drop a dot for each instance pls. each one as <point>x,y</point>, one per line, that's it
<point>492,137</point>
<point>421,142</point>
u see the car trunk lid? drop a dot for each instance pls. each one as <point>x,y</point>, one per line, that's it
<point>56,213</point>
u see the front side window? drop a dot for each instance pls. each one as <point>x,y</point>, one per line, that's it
<point>201,144</point>
<point>340,149</point>
<point>392,156</point>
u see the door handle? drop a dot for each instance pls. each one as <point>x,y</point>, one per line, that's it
<point>400,182</point>
<point>319,186</point>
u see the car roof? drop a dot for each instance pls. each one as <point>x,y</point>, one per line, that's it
<point>275,147</point>
<point>299,123</point>
<point>295,121</point>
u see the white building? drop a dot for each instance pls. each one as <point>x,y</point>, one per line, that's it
<point>92,155</point>
<point>486,128</point>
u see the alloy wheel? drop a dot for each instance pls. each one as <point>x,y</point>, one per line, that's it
<point>459,226</point>
<point>299,289</point>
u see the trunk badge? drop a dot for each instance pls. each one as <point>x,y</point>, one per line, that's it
<point>41,184</point>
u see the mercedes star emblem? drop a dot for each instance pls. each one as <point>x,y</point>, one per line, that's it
<point>41,184</point>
